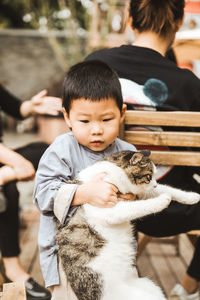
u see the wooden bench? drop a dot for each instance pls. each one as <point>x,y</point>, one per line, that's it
<point>145,139</point>
<point>13,291</point>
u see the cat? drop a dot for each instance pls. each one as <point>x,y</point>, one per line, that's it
<point>97,247</point>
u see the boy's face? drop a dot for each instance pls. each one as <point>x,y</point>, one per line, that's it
<point>95,124</point>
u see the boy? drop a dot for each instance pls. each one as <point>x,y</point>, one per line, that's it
<point>93,109</point>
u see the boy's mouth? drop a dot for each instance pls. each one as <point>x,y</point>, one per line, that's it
<point>97,143</point>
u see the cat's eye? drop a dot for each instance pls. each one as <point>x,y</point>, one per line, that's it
<point>148,177</point>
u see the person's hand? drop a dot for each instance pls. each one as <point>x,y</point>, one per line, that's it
<point>126,197</point>
<point>24,170</point>
<point>97,192</point>
<point>43,104</point>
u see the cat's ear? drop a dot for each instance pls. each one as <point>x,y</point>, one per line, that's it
<point>137,157</point>
<point>146,152</point>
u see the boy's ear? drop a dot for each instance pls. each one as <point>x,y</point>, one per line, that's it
<point>123,113</point>
<point>66,116</point>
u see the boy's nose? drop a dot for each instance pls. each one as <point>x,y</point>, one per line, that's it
<point>96,129</point>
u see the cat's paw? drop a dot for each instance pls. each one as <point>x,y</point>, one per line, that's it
<point>166,199</point>
<point>190,198</point>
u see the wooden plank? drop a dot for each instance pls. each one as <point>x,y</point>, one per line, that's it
<point>35,269</point>
<point>143,240</point>
<point>176,158</point>
<point>176,265</point>
<point>14,290</point>
<point>186,250</point>
<point>29,256</point>
<point>146,269</point>
<point>172,268</point>
<point>29,246</point>
<point>1,279</point>
<point>194,232</point>
<point>163,138</point>
<point>155,118</point>
<point>162,267</point>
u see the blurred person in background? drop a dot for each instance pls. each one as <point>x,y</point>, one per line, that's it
<point>19,165</point>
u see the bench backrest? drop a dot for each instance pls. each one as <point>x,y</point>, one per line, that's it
<point>164,138</point>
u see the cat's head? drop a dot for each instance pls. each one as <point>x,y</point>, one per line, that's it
<point>137,165</point>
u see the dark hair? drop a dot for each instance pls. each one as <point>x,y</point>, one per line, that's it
<point>92,80</point>
<point>170,54</point>
<point>159,16</point>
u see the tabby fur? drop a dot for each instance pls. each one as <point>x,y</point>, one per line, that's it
<point>97,246</point>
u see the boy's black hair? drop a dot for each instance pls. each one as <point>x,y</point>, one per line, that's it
<point>92,80</point>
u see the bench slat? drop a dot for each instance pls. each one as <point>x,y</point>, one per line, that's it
<point>14,290</point>
<point>155,118</point>
<point>177,158</point>
<point>162,138</point>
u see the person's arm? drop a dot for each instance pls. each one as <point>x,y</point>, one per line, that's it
<point>38,104</point>
<point>9,103</point>
<point>41,104</point>
<point>23,169</point>
<point>7,174</point>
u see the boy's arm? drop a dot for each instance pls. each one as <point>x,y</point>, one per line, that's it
<point>63,201</point>
<point>54,196</point>
<point>96,192</point>
<point>51,178</point>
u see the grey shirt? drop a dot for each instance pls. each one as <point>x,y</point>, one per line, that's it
<point>62,161</point>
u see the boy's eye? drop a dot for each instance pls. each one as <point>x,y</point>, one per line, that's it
<point>107,120</point>
<point>84,121</point>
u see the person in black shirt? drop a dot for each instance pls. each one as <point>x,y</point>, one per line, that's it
<point>19,165</point>
<point>151,81</point>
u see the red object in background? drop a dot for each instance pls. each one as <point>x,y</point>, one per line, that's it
<point>192,7</point>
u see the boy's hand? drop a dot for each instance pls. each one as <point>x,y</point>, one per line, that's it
<point>97,192</point>
<point>126,197</point>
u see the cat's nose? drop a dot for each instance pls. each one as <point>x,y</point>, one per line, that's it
<point>155,184</point>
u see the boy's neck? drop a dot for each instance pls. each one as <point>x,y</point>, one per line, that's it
<point>153,41</point>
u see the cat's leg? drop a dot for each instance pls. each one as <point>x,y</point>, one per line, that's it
<point>125,211</point>
<point>179,195</point>
<point>153,291</point>
<point>140,288</point>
